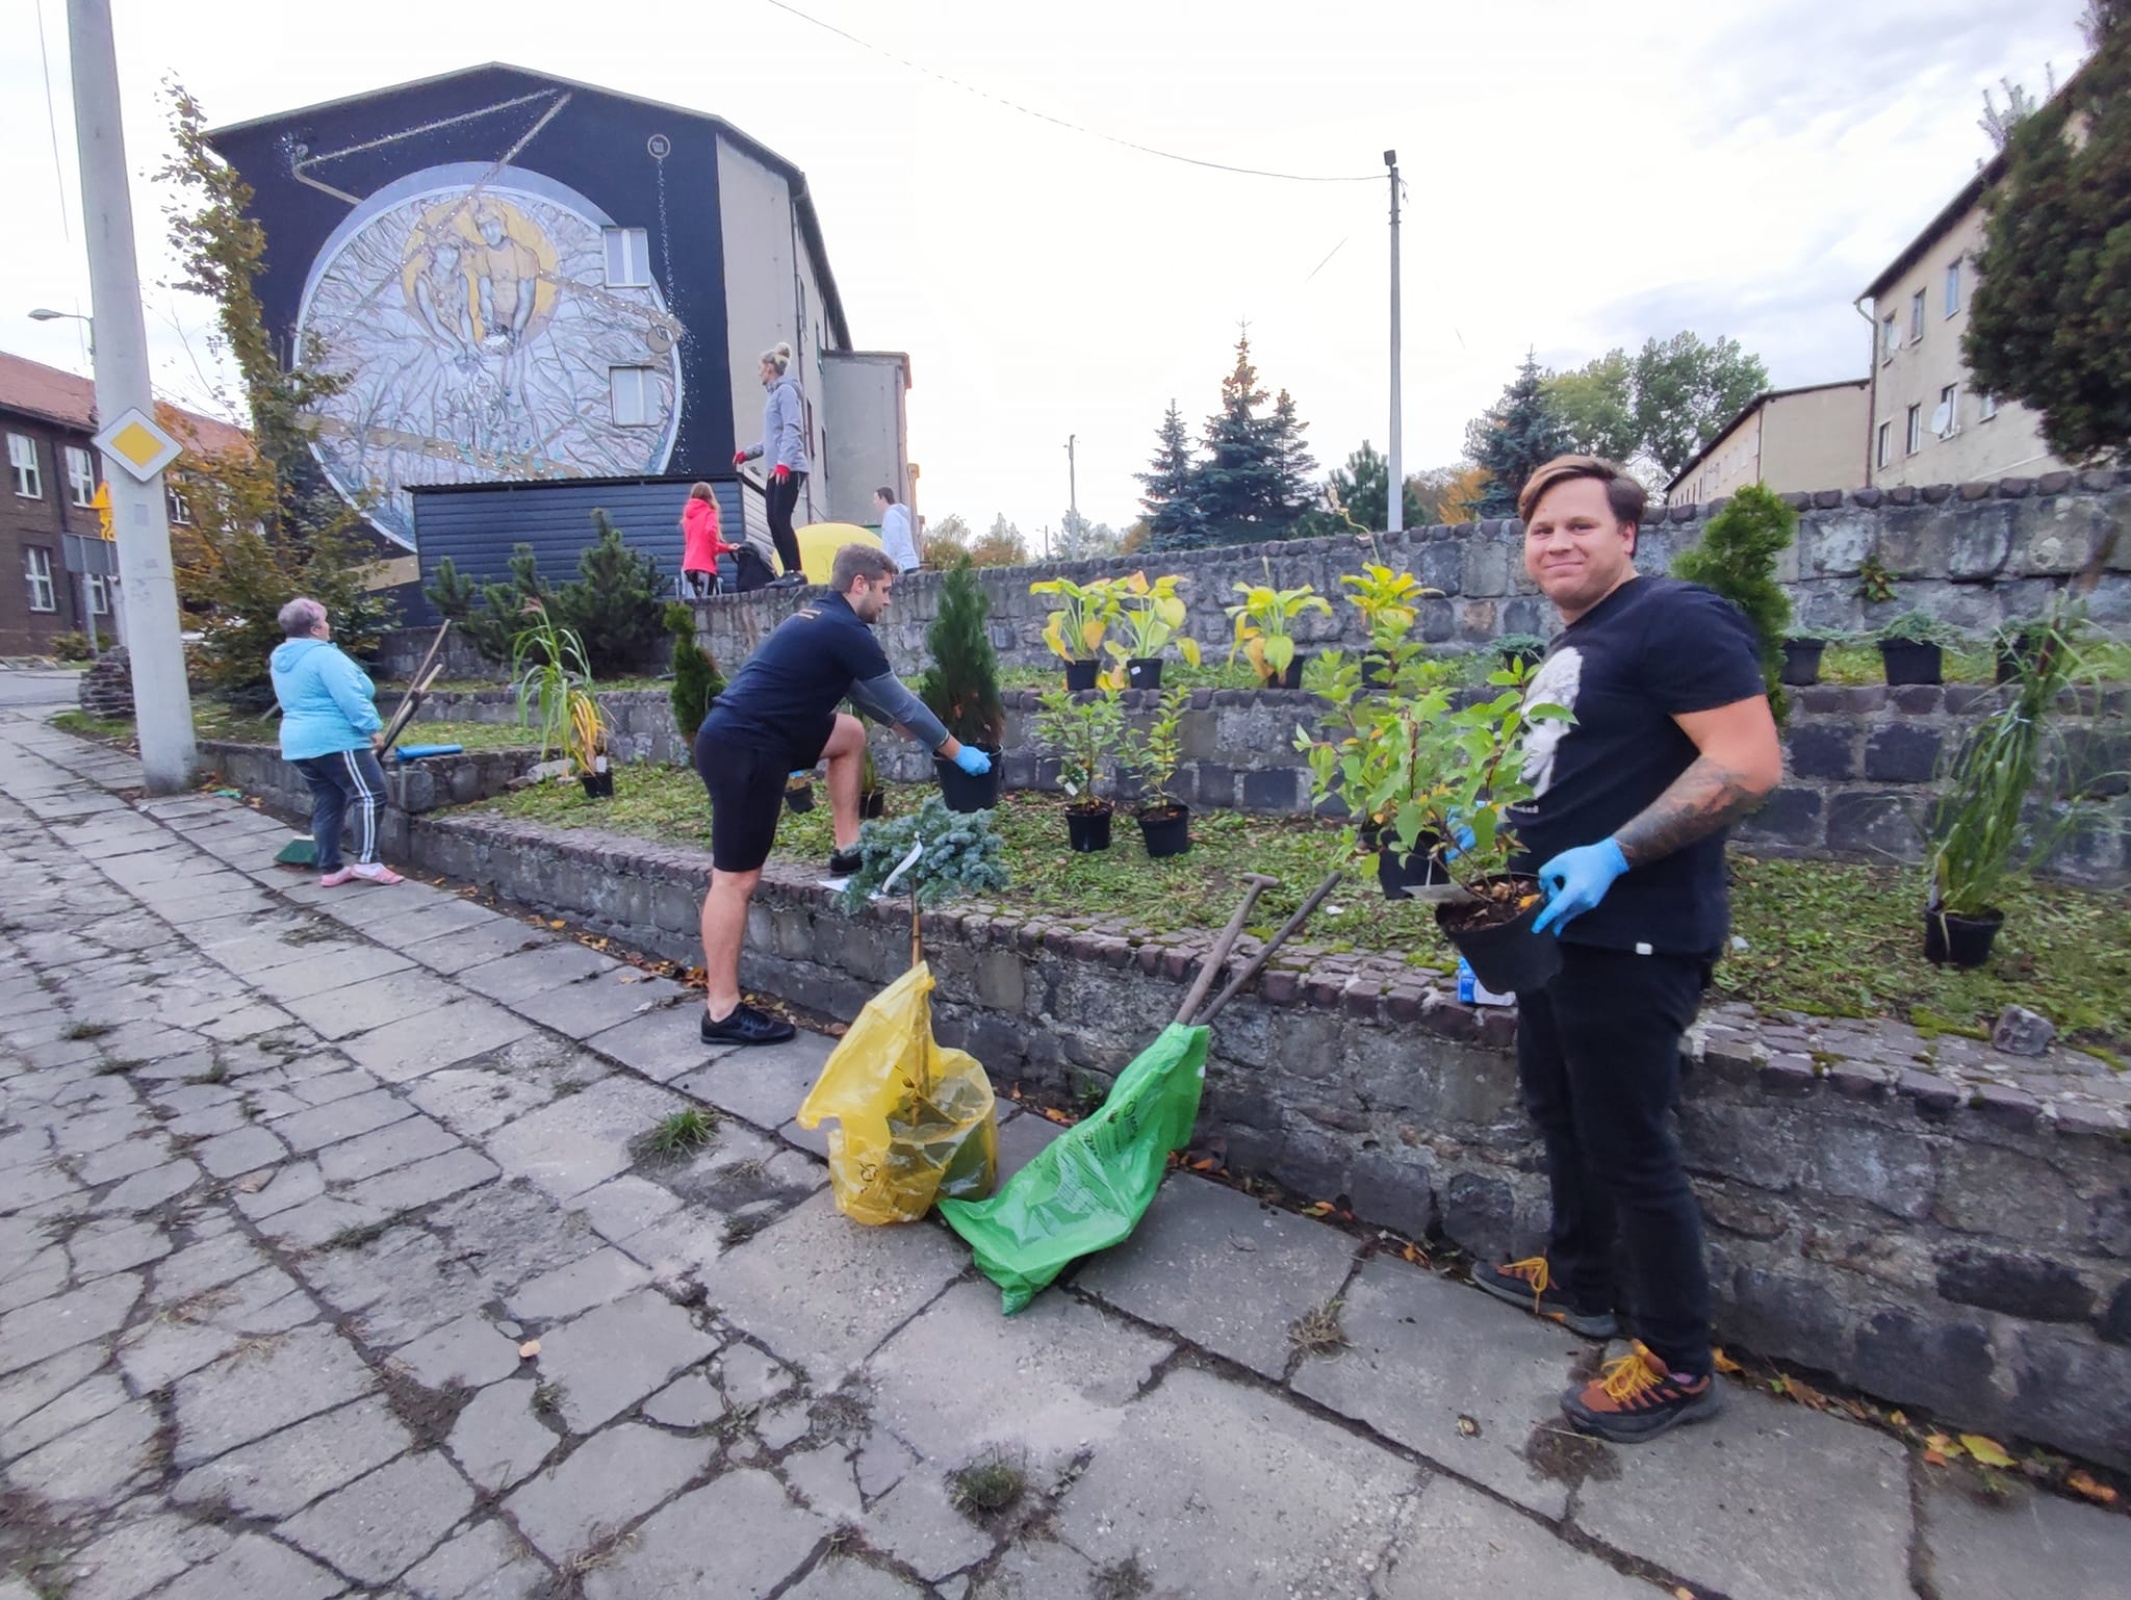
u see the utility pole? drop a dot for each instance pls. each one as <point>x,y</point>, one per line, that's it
<point>162,705</point>
<point>1072,496</point>
<point>1395,496</point>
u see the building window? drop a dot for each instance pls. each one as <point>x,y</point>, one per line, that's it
<point>99,596</point>
<point>634,393</point>
<point>628,258</point>
<point>1953,286</point>
<point>81,475</point>
<point>1946,421</point>
<point>1986,406</point>
<point>22,457</point>
<point>180,507</point>
<point>1916,317</point>
<point>1916,429</point>
<point>1886,443</point>
<point>1890,337</point>
<point>37,572</point>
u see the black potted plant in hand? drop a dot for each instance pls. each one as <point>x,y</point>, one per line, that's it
<point>1084,730</point>
<point>1154,756</point>
<point>962,687</point>
<point>1912,648</point>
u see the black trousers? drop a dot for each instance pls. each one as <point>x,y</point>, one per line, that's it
<point>779,499</point>
<point>1598,1055</point>
<point>338,781</point>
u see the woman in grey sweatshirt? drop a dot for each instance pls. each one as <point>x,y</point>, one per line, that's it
<point>784,443</point>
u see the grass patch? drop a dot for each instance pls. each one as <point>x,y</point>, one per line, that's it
<point>89,1030</point>
<point>988,1486</point>
<point>110,730</point>
<point>1122,1580</point>
<point>681,1133</point>
<point>1824,937</point>
<point>1317,1332</point>
<point>120,1066</point>
<point>1862,663</point>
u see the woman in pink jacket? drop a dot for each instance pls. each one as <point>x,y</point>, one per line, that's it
<point>702,541</point>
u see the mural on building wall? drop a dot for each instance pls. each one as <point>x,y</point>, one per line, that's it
<point>491,323</point>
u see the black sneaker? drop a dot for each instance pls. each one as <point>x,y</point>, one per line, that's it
<point>1529,1283</point>
<point>787,580</point>
<point>745,1025</point>
<point>842,863</point>
<point>1636,1398</point>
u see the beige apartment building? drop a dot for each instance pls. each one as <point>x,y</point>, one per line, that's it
<point>1929,422</point>
<point>1788,440</point>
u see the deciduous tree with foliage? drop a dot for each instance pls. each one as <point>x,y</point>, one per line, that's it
<point>2050,321</point>
<point>946,542</point>
<point>1652,412</point>
<point>1514,439</point>
<point>1736,557</point>
<point>1001,546</point>
<point>1596,404</point>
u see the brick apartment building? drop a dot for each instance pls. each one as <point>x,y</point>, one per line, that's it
<point>48,498</point>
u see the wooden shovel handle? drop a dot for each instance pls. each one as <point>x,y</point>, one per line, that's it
<point>1256,964</point>
<point>1256,883</point>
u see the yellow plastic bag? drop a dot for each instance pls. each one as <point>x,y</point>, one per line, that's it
<point>915,1122</point>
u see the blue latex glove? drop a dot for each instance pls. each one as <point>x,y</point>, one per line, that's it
<point>1463,835</point>
<point>973,761</point>
<point>1576,880</point>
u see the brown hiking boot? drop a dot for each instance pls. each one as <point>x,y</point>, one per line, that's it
<point>1636,1398</point>
<point>1529,1283</point>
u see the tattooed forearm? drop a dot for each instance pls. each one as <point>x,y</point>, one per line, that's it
<point>1704,798</point>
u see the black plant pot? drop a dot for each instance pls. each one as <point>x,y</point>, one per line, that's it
<point>872,803</point>
<point>1290,679</point>
<point>1960,941</point>
<point>1801,662</point>
<point>1907,661</point>
<point>800,798</point>
<point>1166,830</point>
<point>1143,672</point>
<point>1419,870</point>
<point>2014,654</point>
<point>963,792</point>
<point>1505,956</point>
<point>1081,675</point>
<point>598,785</point>
<point>1088,831</point>
<point>1375,670</point>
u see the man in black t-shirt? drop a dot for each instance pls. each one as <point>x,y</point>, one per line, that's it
<point>1672,741</point>
<point>778,716</point>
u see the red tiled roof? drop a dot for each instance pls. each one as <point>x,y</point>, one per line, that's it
<point>68,399</point>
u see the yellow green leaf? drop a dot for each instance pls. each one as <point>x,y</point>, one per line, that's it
<point>1988,1451</point>
<point>1189,650</point>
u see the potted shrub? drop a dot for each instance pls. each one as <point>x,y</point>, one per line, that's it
<point>1151,614</point>
<point>1389,603</point>
<point>1736,557</point>
<point>799,791</point>
<point>872,798</point>
<point>961,856</point>
<point>1084,730</point>
<point>1154,756</point>
<point>1263,619</point>
<point>697,682</point>
<point>1912,648</point>
<point>1802,650</point>
<point>1521,650</point>
<point>1980,815</point>
<point>553,681</point>
<point>962,686</point>
<point>588,746</point>
<point>1075,628</point>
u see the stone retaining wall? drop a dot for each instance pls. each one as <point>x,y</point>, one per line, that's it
<point>1974,554</point>
<point>640,721</point>
<point>1931,1221</point>
<point>410,789</point>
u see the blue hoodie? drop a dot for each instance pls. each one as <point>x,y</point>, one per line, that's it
<point>328,703</point>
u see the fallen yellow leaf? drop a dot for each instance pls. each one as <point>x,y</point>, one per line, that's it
<point>1683,1593</point>
<point>1940,1443</point>
<point>1323,1208</point>
<point>2084,1482</point>
<point>1988,1451</point>
<point>1725,1364</point>
<point>555,922</point>
<point>1899,1418</point>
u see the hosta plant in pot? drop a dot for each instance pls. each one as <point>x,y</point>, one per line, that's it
<point>1150,615</point>
<point>1264,620</point>
<point>1912,648</point>
<point>1153,756</point>
<point>1084,732</point>
<point>1080,616</point>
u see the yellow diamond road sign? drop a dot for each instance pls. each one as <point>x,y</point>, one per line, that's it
<point>135,442</point>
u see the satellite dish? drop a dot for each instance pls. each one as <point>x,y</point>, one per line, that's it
<point>1942,419</point>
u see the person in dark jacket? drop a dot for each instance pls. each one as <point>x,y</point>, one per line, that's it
<point>329,732</point>
<point>784,445</point>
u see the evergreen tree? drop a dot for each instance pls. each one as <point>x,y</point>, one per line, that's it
<point>1238,481</point>
<point>1363,487</point>
<point>495,627</point>
<point>1514,439</point>
<point>1297,487</point>
<point>697,683</point>
<point>453,596</point>
<point>1170,482</point>
<point>1737,558</point>
<point>962,684</point>
<point>2052,305</point>
<point>614,603</point>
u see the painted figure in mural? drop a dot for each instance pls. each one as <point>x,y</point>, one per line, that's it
<point>442,300</point>
<point>507,273</point>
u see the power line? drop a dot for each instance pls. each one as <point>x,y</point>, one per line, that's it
<point>51,118</point>
<point>1060,122</point>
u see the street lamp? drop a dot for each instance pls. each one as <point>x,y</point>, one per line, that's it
<point>47,314</point>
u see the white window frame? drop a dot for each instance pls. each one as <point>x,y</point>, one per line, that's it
<point>1950,398</point>
<point>1986,405</point>
<point>1886,444</point>
<point>37,578</point>
<point>1916,317</point>
<point>1916,428</point>
<point>1890,336</point>
<point>180,508</point>
<point>22,458</point>
<point>81,475</point>
<point>627,257</point>
<point>99,596</point>
<point>1952,291</point>
<point>632,396</point>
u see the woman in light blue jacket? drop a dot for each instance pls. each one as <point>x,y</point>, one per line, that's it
<point>784,443</point>
<point>329,732</point>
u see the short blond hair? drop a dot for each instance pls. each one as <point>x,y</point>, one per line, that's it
<point>1628,498</point>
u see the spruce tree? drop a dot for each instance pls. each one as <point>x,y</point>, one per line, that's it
<point>495,627</point>
<point>697,683</point>
<point>1170,482</point>
<point>962,684</point>
<point>1737,558</point>
<point>614,604</point>
<point>1518,436</point>
<point>1238,487</point>
<point>1297,490</point>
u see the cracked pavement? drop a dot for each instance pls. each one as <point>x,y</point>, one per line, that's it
<point>331,1265</point>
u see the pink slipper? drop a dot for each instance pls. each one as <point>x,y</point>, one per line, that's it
<point>333,880</point>
<point>376,872</point>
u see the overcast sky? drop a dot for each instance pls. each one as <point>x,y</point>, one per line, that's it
<point>1579,177</point>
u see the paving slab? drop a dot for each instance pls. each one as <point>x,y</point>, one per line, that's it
<point>149,1190</point>
<point>1447,1372</point>
<point>358,1007</point>
<point>489,1562</point>
<point>917,1523</point>
<point>284,1472</point>
<point>36,1387</point>
<point>188,1334</point>
<point>2027,1544</point>
<point>1037,1569</point>
<point>623,1207</point>
<point>458,949</point>
<point>533,973</point>
<point>401,1048</point>
<point>425,1182</point>
<point>841,1578</point>
<point>605,1001</point>
<point>690,1549</point>
<point>1227,1272</point>
<point>468,1350</point>
<point>1770,1501</point>
<point>245,1150</point>
<point>819,1288</point>
<point>497,1440</point>
<point>252,1393</point>
<point>44,1329</point>
<point>398,1144</point>
<point>609,1359</point>
<point>690,1401</point>
<point>608,1482</point>
<point>349,964</point>
<point>592,1281</point>
<point>486,1090</point>
<point>662,1044</point>
<point>1458,1542</point>
<point>256,1568</point>
<point>583,1139</point>
<point>132,1558</point>
<point>94,1464</point>
<point>380,1525</point>
<point>85,1402</point>
<point>763,1085</point>
<point>319,1126</point>
<point>1221,1490</point>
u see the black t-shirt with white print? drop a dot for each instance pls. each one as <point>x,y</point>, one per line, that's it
<point>1651,650</point>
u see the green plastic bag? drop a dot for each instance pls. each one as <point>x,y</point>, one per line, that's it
<point>1089,1189</point>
